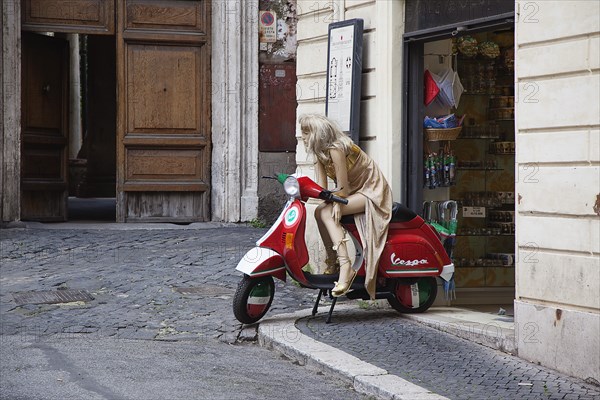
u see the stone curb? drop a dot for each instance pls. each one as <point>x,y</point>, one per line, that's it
<point>489,335</point>
<point>279,333</point>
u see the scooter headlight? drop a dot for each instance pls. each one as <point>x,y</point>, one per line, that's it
<point>291,186</point>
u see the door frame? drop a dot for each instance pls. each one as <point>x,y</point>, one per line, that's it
<point>234,176</point>
<point>10,112</point>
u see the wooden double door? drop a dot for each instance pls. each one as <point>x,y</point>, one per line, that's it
<point>163,108</point>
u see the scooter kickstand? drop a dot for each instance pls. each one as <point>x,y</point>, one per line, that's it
<point>328,320</point>
<point>316,307</point>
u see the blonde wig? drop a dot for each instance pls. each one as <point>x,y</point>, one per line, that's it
<point>323,135</point>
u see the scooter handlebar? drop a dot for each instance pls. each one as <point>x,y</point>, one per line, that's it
<point>329,196</point>
<point>339,199</point>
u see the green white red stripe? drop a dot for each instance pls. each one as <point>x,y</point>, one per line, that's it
<point>410,271</point>
<point>258,299</point>
<point>413,295</point>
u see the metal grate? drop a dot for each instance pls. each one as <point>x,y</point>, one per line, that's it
<point>51,296</point>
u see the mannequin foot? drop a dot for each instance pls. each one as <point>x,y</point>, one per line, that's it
<point>347,275</point>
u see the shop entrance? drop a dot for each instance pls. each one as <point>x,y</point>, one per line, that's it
<point>461,147</point>
<point>147,109</point>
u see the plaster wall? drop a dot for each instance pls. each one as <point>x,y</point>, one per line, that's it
<point>381,83</point>
<point>557,111</point>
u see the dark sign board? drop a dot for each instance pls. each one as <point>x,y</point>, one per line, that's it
<point>344,75</point>
<point>427,14</point>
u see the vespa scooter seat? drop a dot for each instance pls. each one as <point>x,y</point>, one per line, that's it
<point>400,213</point>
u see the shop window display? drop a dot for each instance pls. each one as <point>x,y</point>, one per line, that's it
<point>473,165</point>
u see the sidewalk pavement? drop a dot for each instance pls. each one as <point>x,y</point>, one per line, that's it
<point>282,335</point>
<point>176,284</point>
<point>435,355</point>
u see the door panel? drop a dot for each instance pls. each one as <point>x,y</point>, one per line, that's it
<point>76,16</point>
<point>175,15</point>
<point>153,206</point>
<point>163,122</point>
<point>159,76</point>
<point>44,128</point>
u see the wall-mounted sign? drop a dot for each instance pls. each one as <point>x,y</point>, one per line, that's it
<point>344,73</point>
<point>267,27</point>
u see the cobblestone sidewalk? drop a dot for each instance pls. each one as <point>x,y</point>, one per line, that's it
<point>444,364</point>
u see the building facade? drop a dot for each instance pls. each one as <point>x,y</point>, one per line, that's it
<point>550,78</point>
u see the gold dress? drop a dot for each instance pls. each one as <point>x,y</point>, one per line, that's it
<point>365,177</point>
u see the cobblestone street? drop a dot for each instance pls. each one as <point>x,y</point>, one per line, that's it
<point>159,326</point>
<point>176,286</point>
<point>146,284</point>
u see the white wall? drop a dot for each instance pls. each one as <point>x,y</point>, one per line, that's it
<point>382,64</point>
<point>558,185</point>
<point>381,80</point>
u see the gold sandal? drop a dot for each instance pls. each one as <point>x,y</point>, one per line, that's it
<point>345,284</point>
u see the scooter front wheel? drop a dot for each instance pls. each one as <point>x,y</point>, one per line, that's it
<point>416,297</point>
<point>253,298</point>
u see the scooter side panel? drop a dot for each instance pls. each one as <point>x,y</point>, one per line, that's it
<point>434,239</point>
<point>260,261</point>
<point>410,255</point>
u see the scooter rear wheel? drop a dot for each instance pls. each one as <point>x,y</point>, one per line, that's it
<point>416,297</point>
<point>253,298</point>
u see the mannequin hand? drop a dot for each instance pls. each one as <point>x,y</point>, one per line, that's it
<point>336,213</point>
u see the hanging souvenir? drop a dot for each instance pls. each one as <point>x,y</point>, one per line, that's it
<point>431,88</point>
<point>450,87</point>
<point>467,46</point>
<point>489,49</point>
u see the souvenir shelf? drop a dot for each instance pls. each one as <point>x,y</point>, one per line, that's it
<point>485,150</point>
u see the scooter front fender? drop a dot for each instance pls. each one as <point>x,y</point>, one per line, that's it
<point>261,261</point>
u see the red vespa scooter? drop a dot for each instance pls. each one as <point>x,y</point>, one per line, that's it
<point>413,256</point>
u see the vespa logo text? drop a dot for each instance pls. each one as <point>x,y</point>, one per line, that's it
<point>407,263</point>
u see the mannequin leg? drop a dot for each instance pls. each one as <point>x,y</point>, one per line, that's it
<point>333,267</point>
<point>356,204</point>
